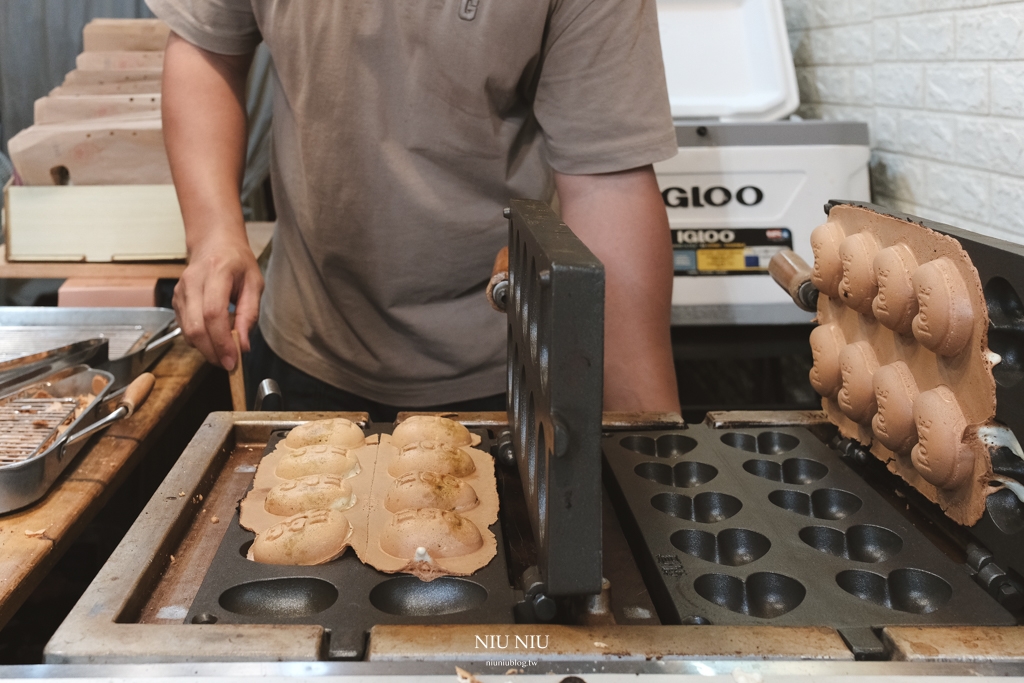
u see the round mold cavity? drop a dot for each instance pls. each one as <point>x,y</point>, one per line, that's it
<point>665,446</point>
<point>684,475</point>
<point>705,508</point>
<point>905,590</point>
<point>204,618</point>
<point>243,549</point>
<point>1005,510</point>
<point>407,596</point>
<point>732,547</point>
<point>764,594</point>
<point>765,443</point>
<point>860,543</point>
<point>1005,330</point>
<point>280,598</point>
<point>821,504</point>
<point>791,471</point>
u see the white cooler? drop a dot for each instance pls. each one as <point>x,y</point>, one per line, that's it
<point>745,184</point>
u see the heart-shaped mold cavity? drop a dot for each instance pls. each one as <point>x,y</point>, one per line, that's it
<point>765,443</point>
<point>684,475</point>
<point>408,596</point>
<point>733,547</point>
<point>860,543</point>
<point>1005,331</point>
<point>906,590</point>
<point>1006,511</point>
<point>764,594</point>
<point>280,598</point>
<point>704,507</point>
<point>821,504</point>
<point>665,446</point>
<point>791,471</point>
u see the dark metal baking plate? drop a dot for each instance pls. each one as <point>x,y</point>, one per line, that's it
<point>345,596</point>
<point>769,526</point>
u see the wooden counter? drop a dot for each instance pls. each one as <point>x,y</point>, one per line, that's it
<point>33,539</point>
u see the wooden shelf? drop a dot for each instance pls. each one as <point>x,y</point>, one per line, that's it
<point>259,234</point>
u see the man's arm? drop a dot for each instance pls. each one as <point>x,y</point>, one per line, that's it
<point>205,133</point>
<point>621,218</point>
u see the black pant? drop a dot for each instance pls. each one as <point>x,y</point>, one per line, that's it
<point>305,392</point>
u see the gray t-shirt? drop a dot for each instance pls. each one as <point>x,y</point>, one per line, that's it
<point>401,128</point>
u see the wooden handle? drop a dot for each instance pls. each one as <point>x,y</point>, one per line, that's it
<point>790,272</point>
<point>236,378</point>
<point>137,392</point>
<point>499,274</point>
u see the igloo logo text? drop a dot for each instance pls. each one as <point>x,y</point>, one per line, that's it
<point>698,198</point>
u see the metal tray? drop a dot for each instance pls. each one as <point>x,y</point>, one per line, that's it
<point>345,596</point>
<point>769,526</point>
<point>31,329</point>
<point>25,482</point>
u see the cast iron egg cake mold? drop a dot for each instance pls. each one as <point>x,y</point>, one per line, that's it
<point>770,526</point>
<point>342,593</point>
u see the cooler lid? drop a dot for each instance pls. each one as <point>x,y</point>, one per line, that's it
<point>727,59</point>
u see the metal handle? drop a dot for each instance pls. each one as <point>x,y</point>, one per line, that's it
<point>164,340</point>
<point>497,287</point>
<point>134,396</point>
<point>269,392</point>
<point>793,274</point>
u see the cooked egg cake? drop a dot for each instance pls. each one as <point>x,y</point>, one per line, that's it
<point>415,490</point>
<point>441,533</point>
<point>305,539</point>
<point>312,492</point>
<point>322,459</point>
<point>432,456</point>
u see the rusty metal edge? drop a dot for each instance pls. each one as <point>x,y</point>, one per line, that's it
<point>95,630</point>
<point>611,421</point>
<point>989,644</point>
<point>467,642</point>
<point>469,419</point>
<point>741,419</point>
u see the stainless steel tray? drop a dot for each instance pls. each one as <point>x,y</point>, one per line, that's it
<point>25,482</point>
<point>30,329</point>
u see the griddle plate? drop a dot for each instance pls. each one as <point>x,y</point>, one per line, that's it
<point>345,596</point>
<point>769,526</point>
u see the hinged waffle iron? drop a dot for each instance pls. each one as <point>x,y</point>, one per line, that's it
<point>748,521</point>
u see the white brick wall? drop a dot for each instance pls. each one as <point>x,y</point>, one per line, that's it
<point>941,85</point>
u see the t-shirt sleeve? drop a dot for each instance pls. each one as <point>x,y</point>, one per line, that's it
<point>601,98</point>
<point>227,27</point>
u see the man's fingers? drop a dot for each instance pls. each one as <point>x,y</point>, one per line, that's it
<point>187,304</point>
<point>216,295</point>
<point>247,308</point>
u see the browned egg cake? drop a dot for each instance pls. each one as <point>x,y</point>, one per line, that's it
<point>423,508</point>
<point>901,353</point>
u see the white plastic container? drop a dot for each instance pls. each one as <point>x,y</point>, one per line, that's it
<point>744,184</point>
<point>727,59</point>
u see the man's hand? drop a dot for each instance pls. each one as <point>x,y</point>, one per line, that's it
<point>621,218</point>
<point>204,124</point>
<point>218,272</point>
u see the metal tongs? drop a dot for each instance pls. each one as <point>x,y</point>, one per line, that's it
<point>127,368</point>
<point>133,396</point>
<point>18,372</point>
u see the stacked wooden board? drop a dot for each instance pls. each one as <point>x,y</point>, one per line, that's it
<point>100,131</point>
